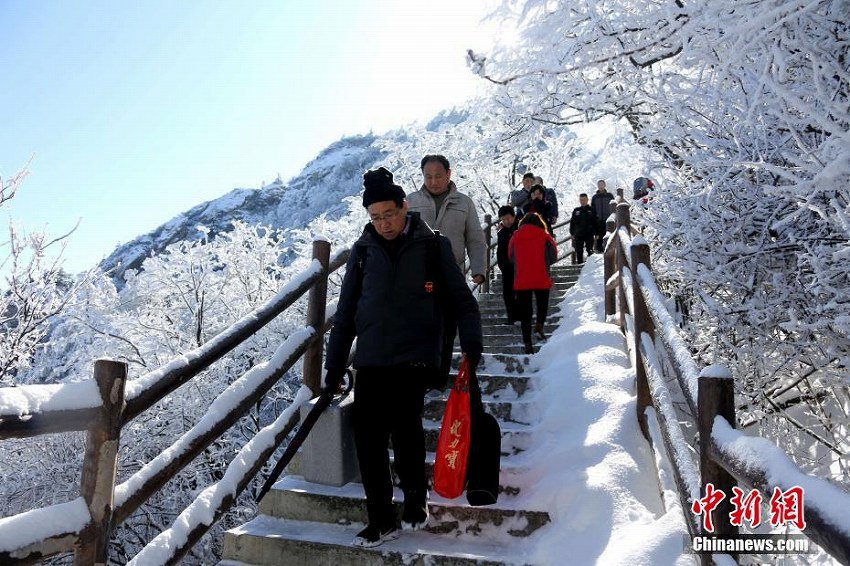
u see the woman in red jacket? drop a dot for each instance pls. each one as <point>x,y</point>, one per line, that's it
<point>532,250</point>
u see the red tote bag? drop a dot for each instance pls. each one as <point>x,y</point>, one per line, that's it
<point>453,444</point>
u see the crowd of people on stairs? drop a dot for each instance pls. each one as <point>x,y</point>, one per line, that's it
<point>405,298</point>
<point>525,256</point>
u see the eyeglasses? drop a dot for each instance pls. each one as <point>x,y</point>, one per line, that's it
<point>386,217</point>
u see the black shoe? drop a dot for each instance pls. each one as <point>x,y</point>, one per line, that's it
<point>415,514</point>
<point>375,536</point>
<point>529,349</point>
<point>538,331</point>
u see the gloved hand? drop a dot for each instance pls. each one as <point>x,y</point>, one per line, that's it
<point>333,381</point>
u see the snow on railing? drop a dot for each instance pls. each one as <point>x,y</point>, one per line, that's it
<point>632,299</point>
<point>35,410</point>
<point>30,399</point>
<point>43,531</point>
<point>208,506</point>
<point>670,335</point>
<point>684,471</point>
<point>762,465</point>
<point>224,411</point>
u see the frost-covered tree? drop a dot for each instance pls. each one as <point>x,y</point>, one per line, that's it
<point>176,302</point>
<point>34,291</point>
<point>488,159</point>
<point>746,107</point>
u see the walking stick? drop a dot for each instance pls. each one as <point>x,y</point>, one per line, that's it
<point>322,403</point>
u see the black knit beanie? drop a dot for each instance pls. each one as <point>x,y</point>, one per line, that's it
<point>378,186</point>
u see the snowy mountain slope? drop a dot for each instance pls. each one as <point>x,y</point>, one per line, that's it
<point>320,187</point>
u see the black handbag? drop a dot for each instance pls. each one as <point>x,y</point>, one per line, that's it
<point>485,451</point>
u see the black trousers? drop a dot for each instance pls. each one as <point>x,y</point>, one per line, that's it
<point>388,405</point>
<point>508,294</point>
<point>580,243</point>
<point>523,302</point>
<point>600,242</point>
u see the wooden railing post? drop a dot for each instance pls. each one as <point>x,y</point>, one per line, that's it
<point>610,264</point>
<point>623,220</point>
<point>318,297</point>
<point>97,485</point>
<point>488,239</point>
<point>643,324</point>
<point>715,397</point>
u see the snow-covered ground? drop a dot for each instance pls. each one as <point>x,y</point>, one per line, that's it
<point>588,466</point>
<point>592,468</point>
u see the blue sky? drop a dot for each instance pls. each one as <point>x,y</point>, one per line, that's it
<point>136,111</point>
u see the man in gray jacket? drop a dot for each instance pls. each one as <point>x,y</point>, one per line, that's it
<point>453,213</point>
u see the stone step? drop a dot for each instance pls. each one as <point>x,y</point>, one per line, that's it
<point>497,318</point>
<point>556,295</point>
<point>506,340</point>
<point>518,349</point>
<point>511,471</point>
<point>498,309</point>
<point>503,386</point>
<point>507,384</point>
<point>268,541</point>
<point>507,410</point>
<point>511,338</point>
<point>499,364</point>
<point>293,498</point>
<point>559,284</point>
<point>516,437</point>
<point>554,271</point>
<point>497,328</point>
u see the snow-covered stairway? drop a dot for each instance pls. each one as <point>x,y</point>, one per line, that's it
<point>305,523</point>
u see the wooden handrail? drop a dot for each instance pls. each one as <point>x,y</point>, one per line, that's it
<point>161,382</point>
<point>104,422</point>
<point>192,530</point>
<point>632,293</point>
<point>139,487</point>
<point>825,530</point>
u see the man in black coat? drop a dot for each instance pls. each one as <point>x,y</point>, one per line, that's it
<point>508,224</point>
<point>394,302</point>
<point>583,226</point>
<point>600,203</point>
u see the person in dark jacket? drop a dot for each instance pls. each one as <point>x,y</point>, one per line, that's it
<point>551,197</point>
<point>395,308</point>
<point>583,226</point>
<point>508,226</point>
<point>519,197</point>
<point>600,203</point>
<point>532,251</point>
<point>538,203</point>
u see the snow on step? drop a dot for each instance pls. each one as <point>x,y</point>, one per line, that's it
<point>302,543</point>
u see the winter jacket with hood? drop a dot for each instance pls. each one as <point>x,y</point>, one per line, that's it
<point>385,302</point>
<point>532,251</point>
<point>457,220</point>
